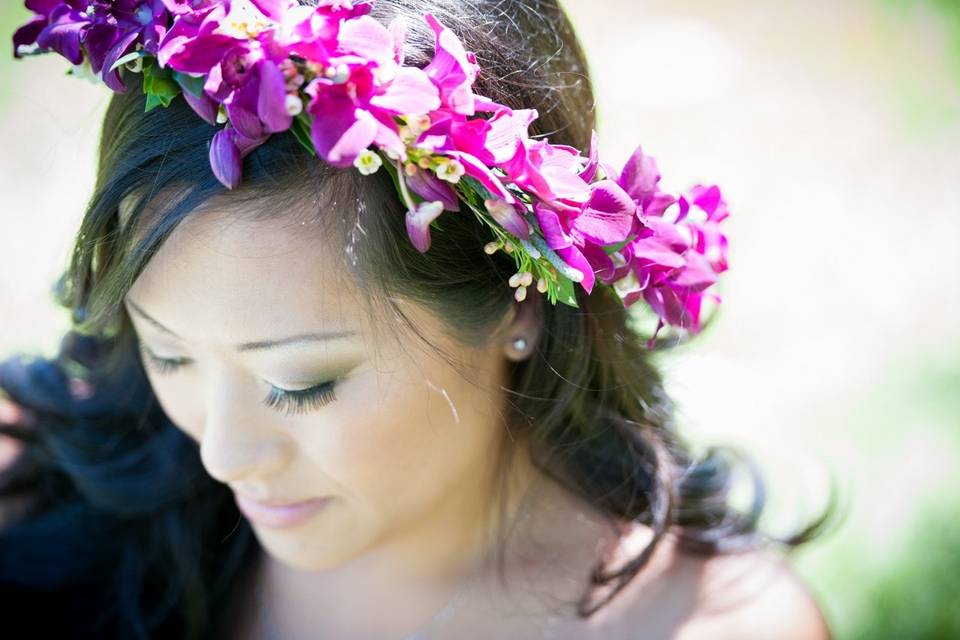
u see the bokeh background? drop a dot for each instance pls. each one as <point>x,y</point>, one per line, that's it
<point>833,127</point>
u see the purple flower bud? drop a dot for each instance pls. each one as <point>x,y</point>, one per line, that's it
<point>225,159</point>
<point>418,223</point>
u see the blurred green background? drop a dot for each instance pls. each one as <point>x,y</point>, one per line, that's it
<point>834,128</point>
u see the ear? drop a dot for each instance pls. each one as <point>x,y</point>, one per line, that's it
<point>521,331</point>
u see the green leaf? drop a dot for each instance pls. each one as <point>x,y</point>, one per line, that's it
<point>477,189</point>
<point>301,131</point>
<point>193,84</point>
<point>565,293</point>
<point>159,85</point>
<point>154,101</point>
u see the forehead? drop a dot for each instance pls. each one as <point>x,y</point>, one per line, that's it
<point>228,275</point>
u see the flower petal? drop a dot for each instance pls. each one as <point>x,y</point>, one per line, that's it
<point>608,216</point>
<point>575,258</point>
<point>409,92</point>
<point>367,38</point>
<point>640,175</point>
<point>509,216</point>
<point>63,33</point>
<point>272,98</point>
<point>551,227</point>
<point>340,130</point>
<point>112,78</point>
<point>273,9</point>
<point>430,188</point>
<point>452,70</point>
<point>590,171</point>
<point>27,34</point>
<point>225,159</point>
<point>479,171</point>
<point>205,107</point>
<point>418,224</point>
<point>507,130</point>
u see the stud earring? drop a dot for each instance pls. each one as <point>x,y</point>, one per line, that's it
<point>520,344</point>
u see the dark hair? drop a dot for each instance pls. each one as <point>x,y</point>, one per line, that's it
<point>124,514</point>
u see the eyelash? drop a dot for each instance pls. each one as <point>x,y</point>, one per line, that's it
<point>288,402</point>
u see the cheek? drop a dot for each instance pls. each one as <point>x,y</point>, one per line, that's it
<point>398,442</point>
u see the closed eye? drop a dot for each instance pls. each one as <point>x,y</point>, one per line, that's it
<point>287,401</point>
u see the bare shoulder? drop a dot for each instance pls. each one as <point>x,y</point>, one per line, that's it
<point>746,596</point>
<point>753,595</point>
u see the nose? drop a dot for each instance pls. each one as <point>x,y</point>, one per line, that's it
<point>236,445</point>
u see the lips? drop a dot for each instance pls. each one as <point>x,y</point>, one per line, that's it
<point>280,516</point>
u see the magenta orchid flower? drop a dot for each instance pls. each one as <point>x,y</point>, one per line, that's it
<point>453,70</point>
<point>679,257</point>
<point>337,77</point>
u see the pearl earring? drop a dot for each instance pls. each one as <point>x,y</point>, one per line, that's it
<point>520,344</point>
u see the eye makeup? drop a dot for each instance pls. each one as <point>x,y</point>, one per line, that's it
<point>286,401</point>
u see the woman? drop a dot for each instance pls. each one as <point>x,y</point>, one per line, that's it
<point>289,409</point>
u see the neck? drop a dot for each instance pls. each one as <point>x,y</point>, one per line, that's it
<point>412,575</point>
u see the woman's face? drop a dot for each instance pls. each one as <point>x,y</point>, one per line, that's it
<point>257,313</point>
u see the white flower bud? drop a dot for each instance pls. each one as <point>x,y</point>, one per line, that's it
<point>339,75</point>
<point>520,294</point>
<point>294,105</point>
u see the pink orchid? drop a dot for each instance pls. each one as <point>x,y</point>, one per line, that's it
<point>551,172</point>
<point>578,234</point>
<point>453,70</point>
<point>355,111</point>
<point>678,257</point>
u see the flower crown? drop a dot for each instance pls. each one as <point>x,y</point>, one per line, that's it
<point>335,78</point>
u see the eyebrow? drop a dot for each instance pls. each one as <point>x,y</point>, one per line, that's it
<point>257,345</point>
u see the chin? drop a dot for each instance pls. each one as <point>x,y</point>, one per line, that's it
<point>306,550</point>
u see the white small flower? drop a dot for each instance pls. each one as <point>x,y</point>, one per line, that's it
<point>222,115</point>
<point>491,248</point>
<point>526,278</point>
<point>520,294</point>
<point>515,280</point>
<point>294,105</point>
<point>368,162</point>
<point>542,285</point>
<point>451,171</point>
